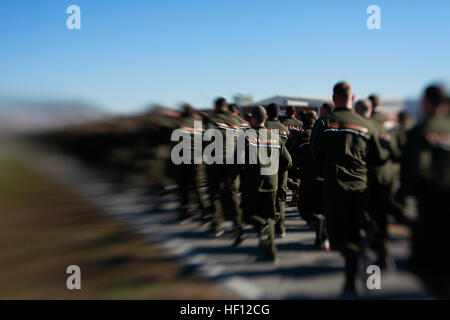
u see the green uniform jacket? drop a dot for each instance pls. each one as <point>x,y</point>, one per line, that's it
<point>295,128</point>
<point>426,175</point>
<point>283,130</point>
<point>252,174</point>
<point>187,127</point>
<point>243,125</point>
<point>303,159</point>
<point>345,144</point>
<point>384,174</point>
<point>426,161</point>
<point>379,118</point>
<point>226,122</point>
<point>293,124</point>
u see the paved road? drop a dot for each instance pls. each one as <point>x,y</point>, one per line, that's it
<point>301,271</point>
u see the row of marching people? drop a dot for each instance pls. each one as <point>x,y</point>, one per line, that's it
<point>343,167</point>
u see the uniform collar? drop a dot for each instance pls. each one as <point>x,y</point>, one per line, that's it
<point>224,112</point>
<point>342,109</point>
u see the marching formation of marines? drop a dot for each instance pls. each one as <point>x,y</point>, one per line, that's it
<point>350,170</point>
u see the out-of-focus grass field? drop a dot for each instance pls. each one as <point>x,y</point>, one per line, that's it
<point>45,227</point>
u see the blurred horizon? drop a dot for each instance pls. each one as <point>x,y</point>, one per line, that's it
<point>132,54</point>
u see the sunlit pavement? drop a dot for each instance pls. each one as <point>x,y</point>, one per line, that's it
<point>300,273</point>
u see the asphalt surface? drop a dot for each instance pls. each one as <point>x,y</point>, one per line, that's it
<point>300,273</point>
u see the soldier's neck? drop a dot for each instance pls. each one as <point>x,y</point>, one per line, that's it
<point>345,107</point>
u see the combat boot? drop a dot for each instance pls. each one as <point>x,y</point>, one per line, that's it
<point>239,236</point>
<point>268,250</point>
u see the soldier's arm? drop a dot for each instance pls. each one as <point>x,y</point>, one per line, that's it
<point>394,147</point>
<point>295,152</point>
<point>388,141</point>
<point>377,153</point>
<point>409,160</point>
<point>240,155</point>
<point>285,159</point>
<point>288,132</point>
<point>317,144</point>
<point>397,145</point>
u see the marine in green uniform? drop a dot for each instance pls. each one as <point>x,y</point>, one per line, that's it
<point>274,123</point>
<point>222,182</point>
<point>381,180</point>
<point>345,144</point>
<point>426,175</point>
<point>406,122</point>
<point>311,202</point>
<point>260,188</point>
<point>189,175</point>
<point>243,124</point>
<point>295,127</point>
<point>388,175</point>
<point>326,108</point>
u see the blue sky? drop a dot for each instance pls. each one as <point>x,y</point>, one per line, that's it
<point>129,53</point>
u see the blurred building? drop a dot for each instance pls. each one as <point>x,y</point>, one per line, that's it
<point>299,102</point>
<point>389,106</point>
<point>243,99</point>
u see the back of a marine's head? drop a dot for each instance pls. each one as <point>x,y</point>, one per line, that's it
<point>234,108</point>
<point>363,107</point>
<point>375,102</point>
<point>220,104</point>
<point>434,101</point>
<point>273,110</point>
<point>290,111</point>
<point>309,118</point>
<point>343,95</point>
<point>259,116</point>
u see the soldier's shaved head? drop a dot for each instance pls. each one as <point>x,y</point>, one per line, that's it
<point>220,104</point>
<point>259,116</point>
<point>290,111</point>
<point>234,108</point>
<point>375,100</point>
<point>363,108</point>
<point>188,110</point>
<point>326,108</point>
<point>435,94</point>
<point>273,110</point>
<point>309,118</point>
<point>433,98</point>
<point>343,95</point>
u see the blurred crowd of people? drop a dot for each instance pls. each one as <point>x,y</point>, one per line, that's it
<point>349,171</point>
